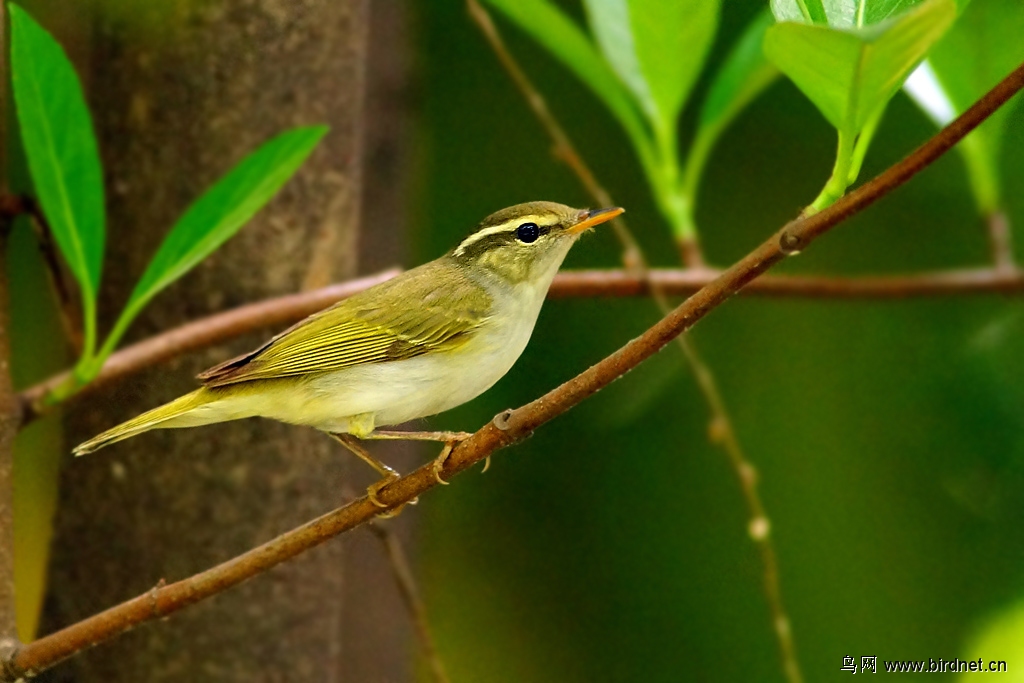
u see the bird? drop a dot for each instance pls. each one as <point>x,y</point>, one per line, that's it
<point>423,342</point>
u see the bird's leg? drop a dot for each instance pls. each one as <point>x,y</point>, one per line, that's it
<point>450,439</point>
<point>399,435</point>
<point>390,474</point>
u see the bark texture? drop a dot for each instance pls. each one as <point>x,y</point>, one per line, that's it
<point>181,91</point>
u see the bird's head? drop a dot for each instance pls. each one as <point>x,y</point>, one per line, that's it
<point>527,242</point>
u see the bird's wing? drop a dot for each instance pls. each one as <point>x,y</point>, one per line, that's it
<point>409,315</point>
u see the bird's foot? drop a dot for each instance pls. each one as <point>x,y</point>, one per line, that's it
<point>454,438</point>
<point>389,474</point>
<point>373,489</point>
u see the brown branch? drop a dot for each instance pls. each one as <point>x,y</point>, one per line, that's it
<point>514,424</point>
<point>676,282</point>
<point>14,205</point>
<point>219,327</point>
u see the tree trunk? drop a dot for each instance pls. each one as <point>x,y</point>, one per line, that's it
<point>180,92</point>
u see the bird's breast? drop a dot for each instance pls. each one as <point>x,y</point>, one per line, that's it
<point>399,391</point>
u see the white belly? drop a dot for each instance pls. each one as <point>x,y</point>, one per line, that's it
<point>399,391</point>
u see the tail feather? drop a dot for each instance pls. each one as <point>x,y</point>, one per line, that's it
<point>173,414</point>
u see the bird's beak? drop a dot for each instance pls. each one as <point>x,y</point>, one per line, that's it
<point>591,217</point>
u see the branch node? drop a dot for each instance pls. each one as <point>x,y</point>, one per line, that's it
<point>748,473</point>
<point>790,244</point>
<point>154,596</point>
<point>718,430</point>
<point>759,529</point>
<point>501,420</point>
<point>782,627</point>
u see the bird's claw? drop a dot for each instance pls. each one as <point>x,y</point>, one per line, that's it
<point>373,489</point>
<point>440,460</point>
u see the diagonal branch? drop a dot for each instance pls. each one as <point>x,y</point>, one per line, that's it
<point>508,427</point>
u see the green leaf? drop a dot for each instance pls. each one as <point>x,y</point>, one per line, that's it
<point>851,73</point>
<point>656,47</point>
<point>216,216</point>
<point>62,155</point>
<point>982,48</point>
<point>844,13</point>
<point>744,74</point>
<point>609,22</point>
<point>809,11</point>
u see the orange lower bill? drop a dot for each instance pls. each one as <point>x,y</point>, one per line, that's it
<point>596,217</point>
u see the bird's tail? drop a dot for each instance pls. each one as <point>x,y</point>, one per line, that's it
<point>190,410</point>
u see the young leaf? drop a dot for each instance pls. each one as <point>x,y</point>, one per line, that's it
<point>656,47</point>
<point>62,155</point>
<point>844,13</point>
<point>808,11</point>
<point>981,49</point>
<point>216,216</point>
<point>744,74</point>
<point>851,73</point>
<point>609,22</point>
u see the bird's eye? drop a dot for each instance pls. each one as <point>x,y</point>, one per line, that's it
<point>528,232</point>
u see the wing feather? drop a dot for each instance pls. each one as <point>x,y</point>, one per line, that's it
<point>419,311</point>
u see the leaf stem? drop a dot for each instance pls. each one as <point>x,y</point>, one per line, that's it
<point>669,188</point>
<point>860,147</point>
<point>982,171</point>
<point>89,325</point>
<point>840,179</point>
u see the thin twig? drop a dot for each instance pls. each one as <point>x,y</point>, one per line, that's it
<point>68,311</point>
<point>284,310</point>
<point>722,428</point>
<point>411,596</point>
<point>516,424</point>
<point>11,206</point>
<point>14,205</point>
<point>758,525</point>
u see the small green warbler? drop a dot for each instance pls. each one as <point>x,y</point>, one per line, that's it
<point>421,343</point>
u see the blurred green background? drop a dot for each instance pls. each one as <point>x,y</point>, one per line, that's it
<point>612,545</point>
